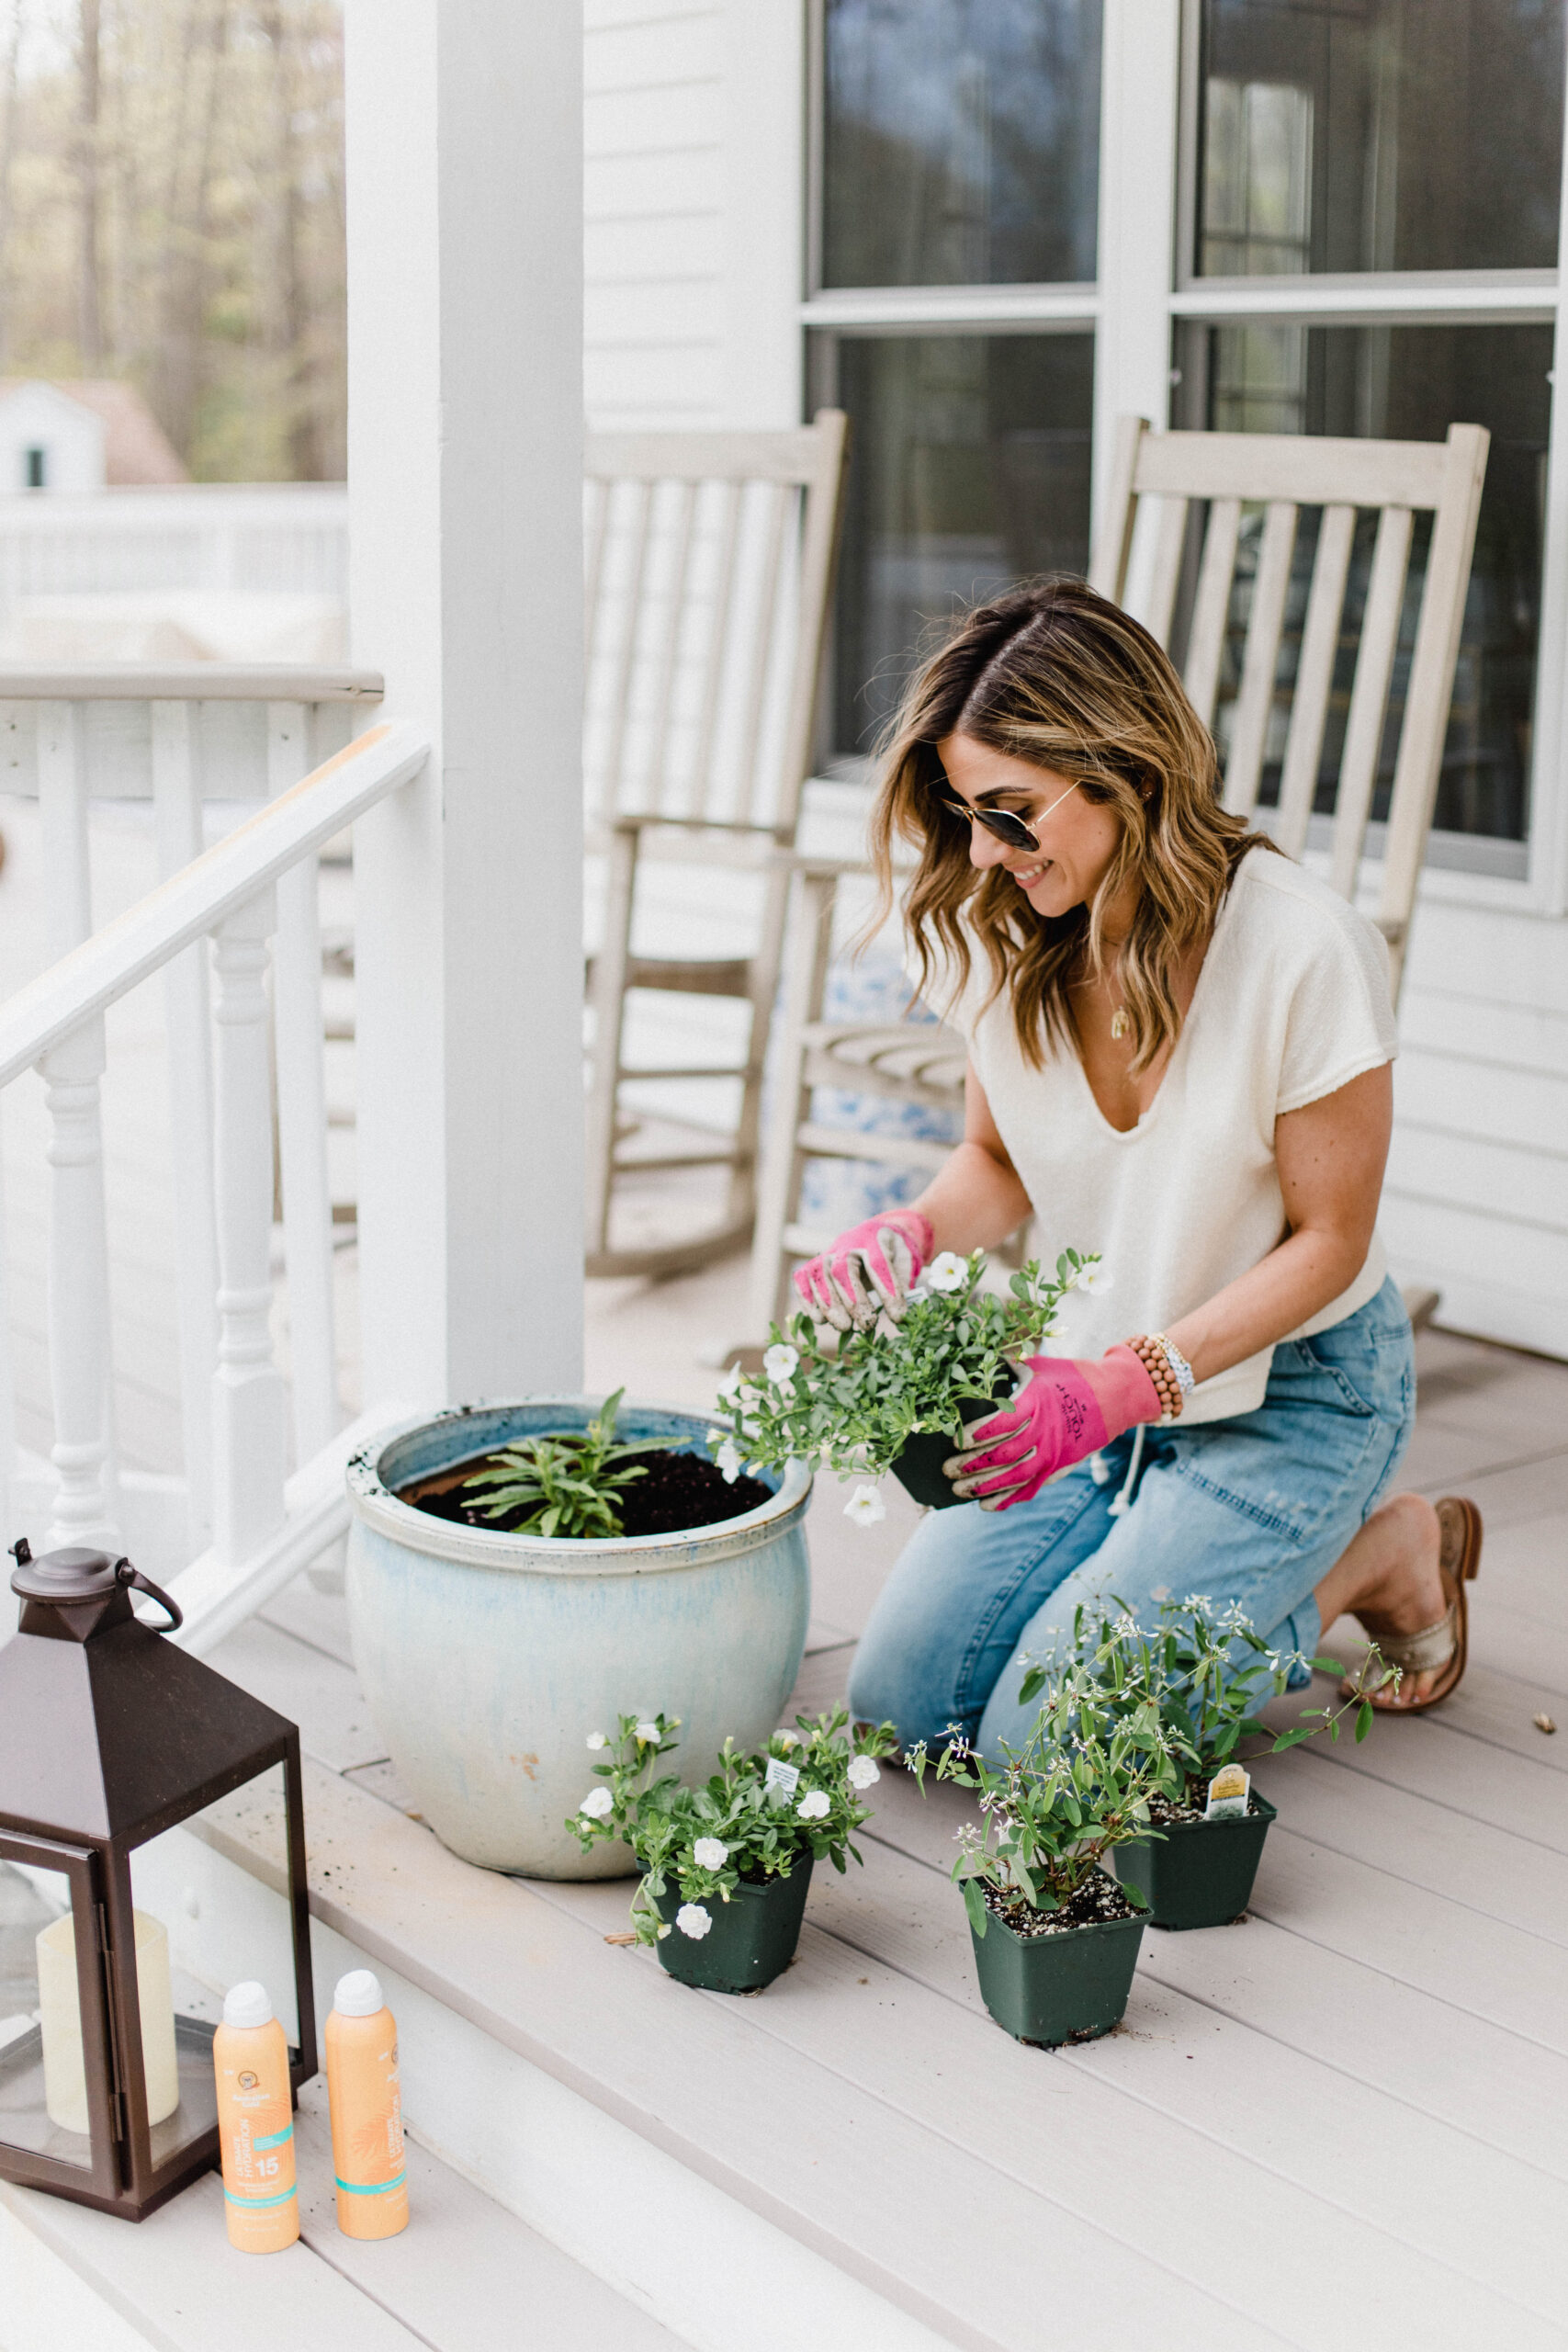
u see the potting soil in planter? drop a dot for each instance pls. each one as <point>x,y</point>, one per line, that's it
<point>1200,1873</point>
<point>919,1467</point>
<point>680,1490</point>
<point>1055,1976</point>
<point>751,1939</point>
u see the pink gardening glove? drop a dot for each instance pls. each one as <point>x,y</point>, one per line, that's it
<point>1067,1411</point>
<point>872,1266</point>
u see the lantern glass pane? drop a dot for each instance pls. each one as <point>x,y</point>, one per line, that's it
<point>43,2090</point>
<point>224,1926</point>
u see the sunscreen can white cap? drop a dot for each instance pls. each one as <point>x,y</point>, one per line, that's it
<point>358,1994</point>
<point>247,2005</point>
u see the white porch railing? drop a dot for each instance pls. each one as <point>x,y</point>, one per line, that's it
<point>269,537</point>
<point>250,1526</point>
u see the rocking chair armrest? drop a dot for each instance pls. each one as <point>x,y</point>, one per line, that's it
<point>641,821</point>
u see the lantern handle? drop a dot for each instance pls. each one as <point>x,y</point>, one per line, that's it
<point>124,1574</point>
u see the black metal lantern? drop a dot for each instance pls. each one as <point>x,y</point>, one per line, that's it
<point>109,1737</point>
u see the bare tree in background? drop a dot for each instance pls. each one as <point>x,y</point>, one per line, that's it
<point>89,100</point>
<point>171,211</point>
<point>13,36</point>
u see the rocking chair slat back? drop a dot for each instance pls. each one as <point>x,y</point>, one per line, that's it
<point>1291,688</point>
<point>709,562</point>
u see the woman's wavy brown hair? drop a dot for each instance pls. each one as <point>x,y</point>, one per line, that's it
<point>1056,675</point>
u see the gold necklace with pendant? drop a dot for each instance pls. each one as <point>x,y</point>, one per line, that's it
<point>1120,1023</point>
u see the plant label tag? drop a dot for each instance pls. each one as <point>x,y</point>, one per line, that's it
<point>1228,1794</point>
<point>784,1777</point>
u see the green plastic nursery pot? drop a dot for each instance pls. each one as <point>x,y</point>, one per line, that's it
<point>918,1468</point>
<point>1067,1987</point>
<point>752,1937</point>
<point>1200,1873</point>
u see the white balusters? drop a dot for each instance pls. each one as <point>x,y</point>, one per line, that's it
<point>81,1366</point>
<point>302,1111</point>
<point>78,1291</point>
<point>248,1403</point>
<point>177,812</point>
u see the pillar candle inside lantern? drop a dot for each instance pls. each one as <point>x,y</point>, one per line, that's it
<point>60,2016</point>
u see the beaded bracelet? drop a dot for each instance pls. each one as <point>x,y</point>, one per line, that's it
<point>1165,1366</point>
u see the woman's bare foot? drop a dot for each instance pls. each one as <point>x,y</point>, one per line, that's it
<point>1388,1576</point>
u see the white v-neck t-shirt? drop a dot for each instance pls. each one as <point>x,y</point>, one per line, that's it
<point>1293,1001</point>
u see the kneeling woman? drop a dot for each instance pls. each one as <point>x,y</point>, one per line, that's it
<point>1178,1057</point>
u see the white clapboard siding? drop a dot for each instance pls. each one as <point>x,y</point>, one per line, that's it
<point>654,198</point>
<point>1476,1201</point>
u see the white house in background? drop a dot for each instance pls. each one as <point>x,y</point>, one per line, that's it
<point>81,436</point>
<point>986,231</point>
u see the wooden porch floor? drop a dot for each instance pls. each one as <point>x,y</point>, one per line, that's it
<point>1339,2121</point>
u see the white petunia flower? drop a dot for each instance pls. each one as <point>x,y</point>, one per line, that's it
<point>716,1439</point>
<point>1096,1276</point>
<point>729,1458</point>
<point>597,1739</point>
<point>787,1739</point>
<point>728,1382</point>
<point>597,1803</point>
<point>649,1732</point>
<point>862,1773</point>
<point>865,1507</point>
<point>947,1271</point>
<point>692,1921</point>
<point>710,1853</point>
<point>779,1362</point>
<point>813,1805</point>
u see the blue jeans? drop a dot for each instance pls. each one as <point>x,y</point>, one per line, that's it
<point>1254,1510</point>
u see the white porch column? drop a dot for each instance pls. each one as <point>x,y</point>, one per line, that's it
<point>1141,63</point>
<point>465,266</point>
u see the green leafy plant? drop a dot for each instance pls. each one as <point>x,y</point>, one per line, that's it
<point>1204,1695</point>
<point>569,1483</point>
<point>1082,1782</point>
<point>854,1405</point>
<point>745,1823</point>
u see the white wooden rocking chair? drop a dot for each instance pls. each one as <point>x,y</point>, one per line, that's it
<point>1181,474</point>
<point>709,568</point>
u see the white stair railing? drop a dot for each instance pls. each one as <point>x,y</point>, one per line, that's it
<point>179,735</point>
<point>253,888</point>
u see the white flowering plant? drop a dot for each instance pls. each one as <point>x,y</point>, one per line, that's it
<point>851,1401</point>
<point>802,1793</point>
<point>1206,1669</point>
<point>1082,1782</point>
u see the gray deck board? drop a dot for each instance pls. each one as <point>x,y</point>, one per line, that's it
<point>1487,2213</point>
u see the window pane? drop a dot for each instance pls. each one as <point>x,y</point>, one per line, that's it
<point>961,142</point>
<point>969,468</point>
<point>1379,134</point>
<point>1409,384</point>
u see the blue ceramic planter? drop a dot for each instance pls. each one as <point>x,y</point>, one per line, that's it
<point>488,1659</point>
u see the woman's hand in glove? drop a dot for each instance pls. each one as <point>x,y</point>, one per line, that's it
<point>872,1266</point>
<point>1067,1411</point>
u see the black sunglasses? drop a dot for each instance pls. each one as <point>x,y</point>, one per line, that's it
<point>1001,823</point>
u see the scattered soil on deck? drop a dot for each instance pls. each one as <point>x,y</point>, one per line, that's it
<point>681,1492</point>
<point>1099,1899</point>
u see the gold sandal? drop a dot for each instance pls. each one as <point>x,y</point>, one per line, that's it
<point>1446,1642</point>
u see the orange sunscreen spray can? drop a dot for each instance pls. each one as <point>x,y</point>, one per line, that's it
<point>255,2123</point>
<point>366,2109</point>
